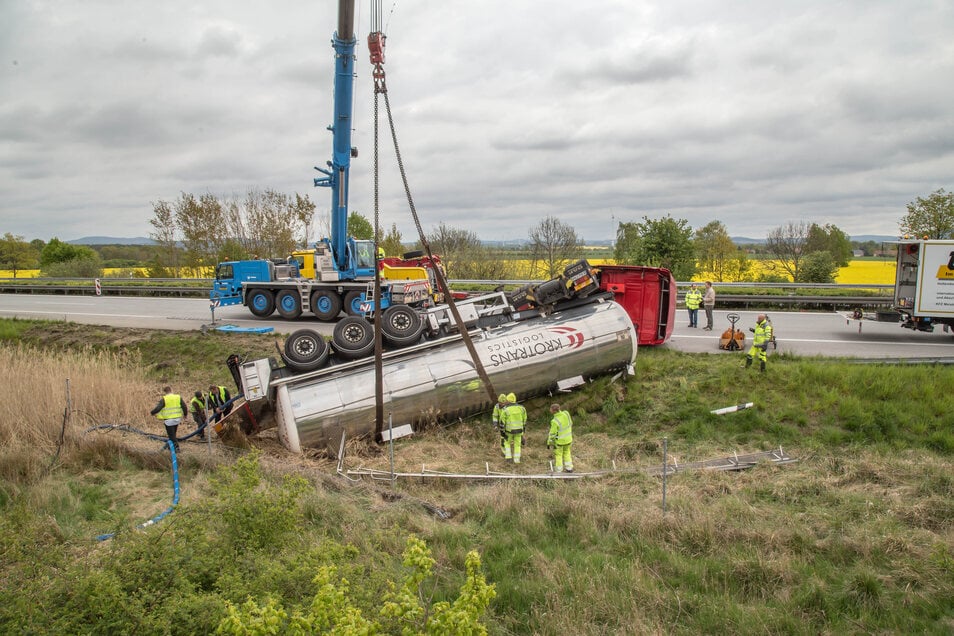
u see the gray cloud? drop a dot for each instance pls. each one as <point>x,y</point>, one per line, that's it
<point>753,114</point>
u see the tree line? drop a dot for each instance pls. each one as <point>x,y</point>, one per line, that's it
<point>795,251</point>
<point>193,233</point>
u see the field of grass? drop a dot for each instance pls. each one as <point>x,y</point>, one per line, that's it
<point>856,537</point>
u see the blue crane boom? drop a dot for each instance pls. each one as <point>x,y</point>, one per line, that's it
<point>337,176</point>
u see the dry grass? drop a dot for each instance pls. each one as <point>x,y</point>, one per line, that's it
<point>96,387</point>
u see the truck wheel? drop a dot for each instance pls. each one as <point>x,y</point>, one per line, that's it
<point>288,303</point>
<point>261,303</point>
<point>306,350</point>
<point>401,325</point>
<point>353,337</point>
<point>326,305</point>
<point>352,304</point>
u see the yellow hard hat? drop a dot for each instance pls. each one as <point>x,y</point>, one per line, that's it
<point>501,398</point>
<point>512,398</point>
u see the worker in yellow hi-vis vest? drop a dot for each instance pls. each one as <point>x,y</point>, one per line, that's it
<point>760,342</point>
<point>170,409</point>
<point>514,419</point>
<point>561,438</point>
<point>496,420</point>
<point>693,302</point>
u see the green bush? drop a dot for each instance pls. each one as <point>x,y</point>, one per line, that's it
<point>252,512</point>
<point>333,611</point>
<point>90,267</point>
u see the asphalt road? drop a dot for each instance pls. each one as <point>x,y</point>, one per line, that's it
<point>817,334</point>
<point>800,333</point>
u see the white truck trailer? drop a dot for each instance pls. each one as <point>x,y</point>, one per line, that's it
<point>924,284</point>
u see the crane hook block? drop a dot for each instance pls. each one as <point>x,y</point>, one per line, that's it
<point>376,47</point>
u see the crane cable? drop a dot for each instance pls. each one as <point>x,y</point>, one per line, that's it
<point>376,47</point>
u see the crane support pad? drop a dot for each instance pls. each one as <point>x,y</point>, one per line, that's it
<point>234,329</point>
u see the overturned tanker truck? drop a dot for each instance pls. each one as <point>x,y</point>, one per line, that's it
<point>530,351</point>
<point>442,361</point>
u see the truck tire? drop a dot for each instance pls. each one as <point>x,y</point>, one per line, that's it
<point>288,303</point>
<point>353,337</point>
<point>326,305</point>
<point>352,304</point>
<point>261,303</point>
<point>401,325</point>
<point>413,254</point>
<point>306,350</point>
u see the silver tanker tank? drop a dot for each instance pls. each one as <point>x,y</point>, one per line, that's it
<point>437,380</point>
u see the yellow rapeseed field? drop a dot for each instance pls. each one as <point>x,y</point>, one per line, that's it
<point>867,272</point>
<point>858,272</point>
<point>21,273</point>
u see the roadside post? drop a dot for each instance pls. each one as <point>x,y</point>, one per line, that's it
<point>665,469</point>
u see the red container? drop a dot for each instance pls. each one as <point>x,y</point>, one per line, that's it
<point>648,294</point>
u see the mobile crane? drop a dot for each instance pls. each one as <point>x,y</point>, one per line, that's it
<point>336,274</point>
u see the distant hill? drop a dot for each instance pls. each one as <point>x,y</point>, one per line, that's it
<point>111,240</point>
<point>878,238</point>
<point>507,243</point>
<point>861,238</point>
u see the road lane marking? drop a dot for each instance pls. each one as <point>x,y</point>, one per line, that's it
<point>42,303</point>
<point>841,342</point>
<point>21,312</point>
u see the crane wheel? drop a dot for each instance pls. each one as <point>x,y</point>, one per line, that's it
<point>288,303</point>
<point>352,303</point>
<point>261,303</point>
<point>326,305</point>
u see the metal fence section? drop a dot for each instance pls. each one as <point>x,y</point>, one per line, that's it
<point>732,462</point>
<point>179,287</point>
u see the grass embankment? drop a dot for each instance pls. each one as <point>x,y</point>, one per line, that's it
<point>856,537</point>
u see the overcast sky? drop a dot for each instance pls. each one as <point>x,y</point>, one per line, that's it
<point>753,113</point>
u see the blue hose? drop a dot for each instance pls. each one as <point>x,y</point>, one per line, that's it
<point>175,485</point>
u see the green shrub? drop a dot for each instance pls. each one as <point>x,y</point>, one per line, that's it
<point>332,610</point>
<point>252,512</point>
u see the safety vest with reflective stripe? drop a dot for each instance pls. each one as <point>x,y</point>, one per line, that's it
<point>693,299</point>
<point>221,394</point>
<point>514,418</point>
<point>197,404</point>
<point>763,332</point>
<point>498,411</point>
<point>172,407</point>
<point>561,428</point>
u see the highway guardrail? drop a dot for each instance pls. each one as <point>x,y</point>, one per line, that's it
<point>199,288</point>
